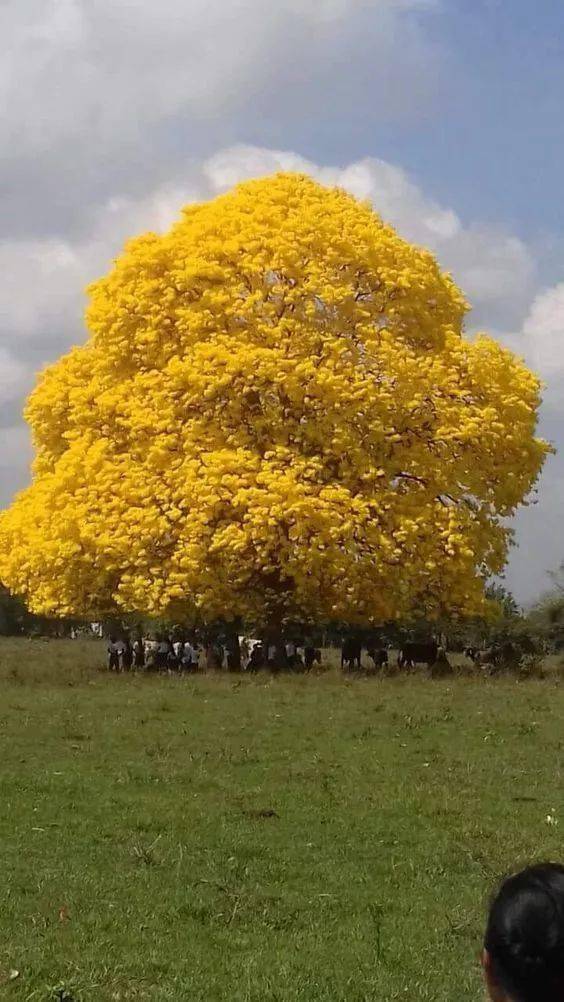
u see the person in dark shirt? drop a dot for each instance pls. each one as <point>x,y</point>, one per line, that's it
<point>113,654</point>
<point>126,654</point>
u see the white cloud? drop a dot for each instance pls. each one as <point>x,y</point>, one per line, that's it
<point>95,92</point>
<point>109,67</point>
<point>15,457</point>
<point>16,446</point>
<point>539,527</point>
<point>538,533</point>
<point>543,332</point>
<point>14,376</point>
<point>495,269</point>
<point>540,342</point>
<point>41,283</point>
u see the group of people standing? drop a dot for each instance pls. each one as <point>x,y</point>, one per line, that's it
<point>158,653</point>
<point>291,655</point>
<point>182,652</point>
<point>188,653</point>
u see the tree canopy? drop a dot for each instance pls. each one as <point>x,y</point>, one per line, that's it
<point>276,414</point>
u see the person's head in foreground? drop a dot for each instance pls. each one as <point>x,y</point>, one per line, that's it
<point>523,956</point>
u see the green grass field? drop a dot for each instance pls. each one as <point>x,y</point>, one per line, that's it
<point>261,839</point>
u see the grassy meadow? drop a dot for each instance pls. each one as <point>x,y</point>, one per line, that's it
<point>244,839</point>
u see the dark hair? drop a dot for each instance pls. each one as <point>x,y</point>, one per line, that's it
<point>525,934</point>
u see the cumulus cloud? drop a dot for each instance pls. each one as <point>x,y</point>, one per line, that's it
<point>495,269</point>
<point>15,458</point>
<point>540,341</point>
<point>14,376</point>
<point>115,68</point>
<point>538,528</point>
<point>98,96</point>
<point>40,290</point>
<point>543,332</point>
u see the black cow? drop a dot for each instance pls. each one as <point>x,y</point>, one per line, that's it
<point>508,654</point>
<point>378,656</point>
<point>311,656</point>
<point>257,659</point>
<point>414,653</point>
<point>351,653</point>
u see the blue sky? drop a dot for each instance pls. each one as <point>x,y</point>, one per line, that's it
<point>446,113</point>
<point>490,139</point>
<point>496,148</point>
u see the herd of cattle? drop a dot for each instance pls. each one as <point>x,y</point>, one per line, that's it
<point>429,653</point>
<point>409,655</point>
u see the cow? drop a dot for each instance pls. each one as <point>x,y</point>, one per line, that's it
<point>441,665</point>
<point>351,653</point>
<point>485,656</point>
<point>498,655</point>
<point>378,656</point>
<point>414,653</point>
<point>312,655</point>
<point>508,654</point>
<point>488,659</point>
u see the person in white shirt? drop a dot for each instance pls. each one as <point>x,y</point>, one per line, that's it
<point>187,657</point>
<point>291,653</point>
<point>138,652</point>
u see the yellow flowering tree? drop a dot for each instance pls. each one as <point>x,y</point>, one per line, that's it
<point>276,415</point>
